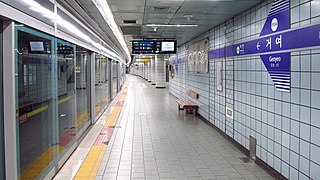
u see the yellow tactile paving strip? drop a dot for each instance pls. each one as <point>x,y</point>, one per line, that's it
<point>122,98</point>
<point>92,162</point>
<point>112,120</point>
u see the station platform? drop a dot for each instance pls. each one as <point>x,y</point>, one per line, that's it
<point>143,136</point>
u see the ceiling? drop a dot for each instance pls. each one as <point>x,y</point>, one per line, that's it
<point>89,14</point>
<point>206,13</point>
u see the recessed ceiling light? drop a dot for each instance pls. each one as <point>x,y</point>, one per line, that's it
<point>188,16</point>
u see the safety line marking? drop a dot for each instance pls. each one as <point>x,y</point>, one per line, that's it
<point>112,120</point>
<point>92,162</point>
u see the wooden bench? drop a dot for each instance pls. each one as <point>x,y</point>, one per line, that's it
<point>187,105</point>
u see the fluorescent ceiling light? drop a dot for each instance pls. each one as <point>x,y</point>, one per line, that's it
<point>172,25</point>
<point>105,11</point>
<point>35,6</point>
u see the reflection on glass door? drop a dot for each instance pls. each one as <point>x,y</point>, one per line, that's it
<point>66,95</point>
<point>102,96</point>
<point>83,90</point>
<point>45,101</point>
<point>35,102</point>
<point>114,78</point>
<point>1,112</point>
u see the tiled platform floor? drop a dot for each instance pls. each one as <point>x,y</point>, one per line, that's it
<point>152,140</point>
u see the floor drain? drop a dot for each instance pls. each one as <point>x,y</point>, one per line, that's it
<point>106,143</point>
<point>118,126</point>
<point>245,159</point>
<point>102,133</point>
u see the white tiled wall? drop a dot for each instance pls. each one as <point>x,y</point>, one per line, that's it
<point>286,125</point>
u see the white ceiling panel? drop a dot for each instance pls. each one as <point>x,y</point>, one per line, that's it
<point>157,21</point>
<point>127,9</point>
<point>126,2</point>
<point>164,3</point>
<point>206,13</point>
<point>160,16</point>
<point>128,16</point>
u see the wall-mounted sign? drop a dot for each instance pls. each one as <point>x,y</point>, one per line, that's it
<point>198,60</point>
<point>278,65</point>
<point>145,60</point>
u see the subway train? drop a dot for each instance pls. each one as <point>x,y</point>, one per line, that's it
<point>60,75</point>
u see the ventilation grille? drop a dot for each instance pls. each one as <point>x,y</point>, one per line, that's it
<point>129,21</point>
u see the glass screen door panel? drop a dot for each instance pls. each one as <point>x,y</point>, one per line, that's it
<point>97,83</point>
<point>35,102</point>
<point>102,97</point>
<point>104,83</point>
<point>65,53</point>
<point>82,88</point>
<point>2,168</point>
<point>114,78</point>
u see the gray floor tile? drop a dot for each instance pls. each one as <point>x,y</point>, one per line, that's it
<point>156,142</point>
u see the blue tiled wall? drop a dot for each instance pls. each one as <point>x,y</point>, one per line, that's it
<point>286,125</point>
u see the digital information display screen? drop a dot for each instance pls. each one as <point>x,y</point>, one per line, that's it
<point>154,47</point>
<point>168,46</point>
<point>36,46</point>
<point>142,47</point>
<point>64,49</point>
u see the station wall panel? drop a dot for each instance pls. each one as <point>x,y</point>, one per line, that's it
<point>286,125</point>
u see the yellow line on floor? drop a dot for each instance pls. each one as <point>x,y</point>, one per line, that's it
<point>82,118</point>
<point>112,120</point>
<point>91,164</point>
<point>37,111</point>
<point>39,164</point>
<point>64,100</point>
<point>122,98</point>
<point>41,109</point>
<point>97,109</point>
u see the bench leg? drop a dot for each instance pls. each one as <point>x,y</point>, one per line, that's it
<point>191,111</point>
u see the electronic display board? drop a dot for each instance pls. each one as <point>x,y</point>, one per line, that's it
<point>142,47</point>
<point>154,47</point>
